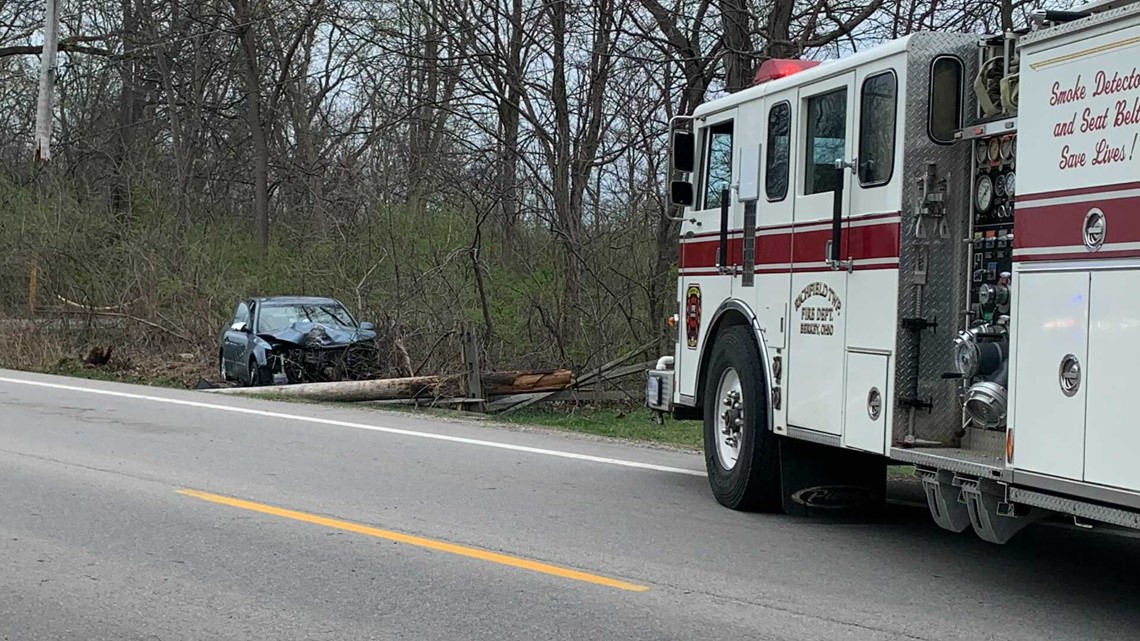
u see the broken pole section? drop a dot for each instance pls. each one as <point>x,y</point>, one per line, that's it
<point>472,377</point>
<point>494,384</point>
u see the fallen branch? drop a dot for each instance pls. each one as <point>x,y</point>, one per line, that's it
<point>143,321</point>
<point>106,308</point>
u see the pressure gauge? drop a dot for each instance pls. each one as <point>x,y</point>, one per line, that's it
<point>995,150</point>
<point>1009,186</point>
<point>983,193</point>
<point>986,294</point>
<point>1007,148</point>
<point>999,186</point>
<point>980,152</point>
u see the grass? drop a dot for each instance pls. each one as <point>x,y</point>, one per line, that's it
<point>901,472</point>
<point>624,422</point>
<point>131,375</point>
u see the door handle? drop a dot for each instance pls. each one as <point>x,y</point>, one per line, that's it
<point>835,263</point>
<point>842,164</point>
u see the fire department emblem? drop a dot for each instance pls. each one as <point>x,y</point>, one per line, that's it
<point>692,315</point>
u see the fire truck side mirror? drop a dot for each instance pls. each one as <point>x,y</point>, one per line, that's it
<point>683,150</point>
<point>681,193</point>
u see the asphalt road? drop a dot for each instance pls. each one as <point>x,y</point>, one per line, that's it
<point>137,513</point>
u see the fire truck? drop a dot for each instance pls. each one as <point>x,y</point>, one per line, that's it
<point>925,254</point>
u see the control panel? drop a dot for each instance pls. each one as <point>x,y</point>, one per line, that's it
<point>991,247</point>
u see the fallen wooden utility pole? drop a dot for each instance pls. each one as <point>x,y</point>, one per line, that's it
<point>494,384</point>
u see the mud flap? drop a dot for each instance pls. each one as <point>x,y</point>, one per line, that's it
<point>995,520</point>
<point>945,501</point>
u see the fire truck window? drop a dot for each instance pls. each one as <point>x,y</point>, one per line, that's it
<point>945,99</point>
<point>779,146</point>
<point>718,167</point>
<point>877,129</point>
<point>826,140</point>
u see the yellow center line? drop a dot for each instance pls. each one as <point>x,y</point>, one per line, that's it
<point>431,544</point>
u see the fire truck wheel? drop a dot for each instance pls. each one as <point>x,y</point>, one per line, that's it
<point>740,449</point>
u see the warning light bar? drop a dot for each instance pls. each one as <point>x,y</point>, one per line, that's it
<point>777,68</point>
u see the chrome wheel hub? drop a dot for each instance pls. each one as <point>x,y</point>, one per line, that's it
<point>730,421</point>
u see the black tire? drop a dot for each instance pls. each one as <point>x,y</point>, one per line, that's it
<point>258,376</point>
<point>753,483</point>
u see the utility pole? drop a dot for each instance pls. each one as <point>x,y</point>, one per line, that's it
<point>47,82</point>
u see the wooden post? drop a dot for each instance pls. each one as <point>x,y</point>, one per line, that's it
<point>472,376</point>
<point>33,275</point>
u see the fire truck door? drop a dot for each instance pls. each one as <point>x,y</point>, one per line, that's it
<point>817,315</point>
<point>703,282</point>
<point>871,241</point>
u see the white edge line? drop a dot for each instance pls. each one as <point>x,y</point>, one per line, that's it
<point>360,426</point>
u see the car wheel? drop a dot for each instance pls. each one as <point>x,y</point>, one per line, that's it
<point>741,452</point>
<point>258,376</point>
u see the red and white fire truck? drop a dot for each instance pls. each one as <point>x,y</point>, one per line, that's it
<point>927,253</point>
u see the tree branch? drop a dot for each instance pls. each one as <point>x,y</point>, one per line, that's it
<point>67,45</point>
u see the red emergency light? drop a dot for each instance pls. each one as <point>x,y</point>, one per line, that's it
<point>777,68</point>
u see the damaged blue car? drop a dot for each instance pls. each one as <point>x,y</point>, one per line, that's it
<point>296,339</point>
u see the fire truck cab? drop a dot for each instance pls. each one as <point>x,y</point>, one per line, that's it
<point>864,281</point>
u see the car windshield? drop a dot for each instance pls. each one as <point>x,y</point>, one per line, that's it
<point>275,317</point>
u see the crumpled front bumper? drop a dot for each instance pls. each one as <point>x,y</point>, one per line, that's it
<point>357,361</point>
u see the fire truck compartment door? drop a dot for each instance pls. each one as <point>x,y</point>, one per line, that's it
<point>1112,436</point>
<point>866,402</point>
<point>818,316</point>
<point>1052,328</point>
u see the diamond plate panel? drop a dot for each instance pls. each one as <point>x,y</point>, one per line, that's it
<point>1080,25</point>
<point>967,462</point>
<point>923,356</point>
<point>1092,511</point>
<point>813,436</point>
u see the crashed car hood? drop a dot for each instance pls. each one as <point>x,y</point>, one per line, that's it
<point>337,334</point>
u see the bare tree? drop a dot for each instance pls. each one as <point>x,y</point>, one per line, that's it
<point>434,161</point>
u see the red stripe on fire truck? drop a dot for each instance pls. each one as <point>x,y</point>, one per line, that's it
<point>873,241</point>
